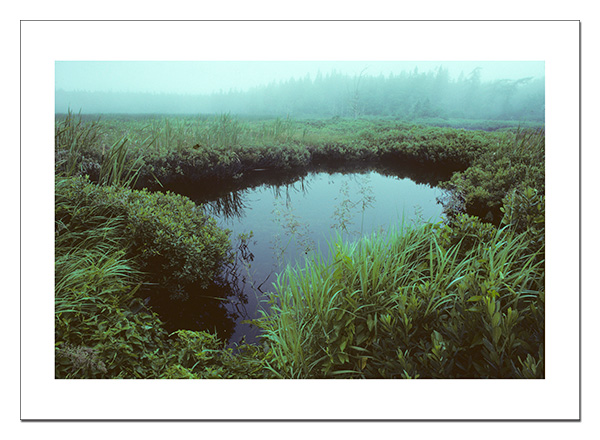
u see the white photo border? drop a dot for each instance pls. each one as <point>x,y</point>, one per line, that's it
<point>555,397</point>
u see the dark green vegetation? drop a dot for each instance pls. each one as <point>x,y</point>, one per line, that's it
<point>463,299</point>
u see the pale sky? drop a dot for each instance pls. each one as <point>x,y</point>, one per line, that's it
<point>190,77</point>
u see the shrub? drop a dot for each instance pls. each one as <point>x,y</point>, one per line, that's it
<point>466,232</point>
<point>517,162</point>
<point>525,212</point>
<point>169,236</point>
<point>201,355</point>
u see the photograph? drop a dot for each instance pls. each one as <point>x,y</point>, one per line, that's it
<point>319,220</point>
<point>299,219</point>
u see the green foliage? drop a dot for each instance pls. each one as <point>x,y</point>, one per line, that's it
<point>462,299</point>
<point>466,232</point>
<point>516,162</point>
<point>75,144</point>
<point>525,212</point>
<point>413,304</point>
<point>189,150</point>
<point>97,332</point>
<point>200,355</point>
<point>104,236</point>
<point>169,236</point>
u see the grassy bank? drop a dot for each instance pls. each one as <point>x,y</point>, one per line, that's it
<point>456,300</point>
<point>462,300</point>
<point>202,151</point>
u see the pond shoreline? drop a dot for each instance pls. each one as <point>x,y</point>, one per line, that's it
<point>289,217</point>
<point>207,189</point>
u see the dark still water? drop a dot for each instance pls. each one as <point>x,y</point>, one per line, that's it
<point>280,225</point>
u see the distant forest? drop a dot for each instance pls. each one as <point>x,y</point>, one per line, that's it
<point>408,95</point>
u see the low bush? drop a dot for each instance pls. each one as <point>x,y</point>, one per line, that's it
<point>201,355</point>
<point>168,235</point>
<point>517,161</point>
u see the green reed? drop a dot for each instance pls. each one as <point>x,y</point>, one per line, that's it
<point>73,137</point>
<point>349,315</point>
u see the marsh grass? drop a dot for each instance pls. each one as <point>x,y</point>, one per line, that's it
<point>276,131</point>
<point>224,132</point>
<point>75,140</point>
<point>90,256</point>
<point>72,139</point>
<point>196,150</point>
<point>118,168</point>
<point>405,292</point>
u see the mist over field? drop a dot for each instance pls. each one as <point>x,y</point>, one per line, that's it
<point>407,90</point>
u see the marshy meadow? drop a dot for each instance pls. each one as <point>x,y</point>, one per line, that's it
<point>391,233</point>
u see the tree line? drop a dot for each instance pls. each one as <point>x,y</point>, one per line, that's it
<point>408,95</point>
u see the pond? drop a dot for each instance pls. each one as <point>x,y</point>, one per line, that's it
<point>274,225</point>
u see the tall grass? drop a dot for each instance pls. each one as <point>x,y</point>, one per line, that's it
<point>117,168</point>
<point>224,132</point>
<point>77,141</point>
<point>279,130</point>
<point>90,255</point>
<point>73,137</point>
<point>385,306</point>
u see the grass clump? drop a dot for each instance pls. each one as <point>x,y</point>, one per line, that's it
<point>77,144</point>
<point>415,303</point>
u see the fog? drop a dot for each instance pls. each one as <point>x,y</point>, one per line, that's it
<point>209,77</point>
<point>301,88</point>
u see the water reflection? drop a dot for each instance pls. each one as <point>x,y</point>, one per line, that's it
<point>227,206</point>
<point>281,219</point>
<point>216,309</point>
<point>201,310</point>
<point>229,199</point>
